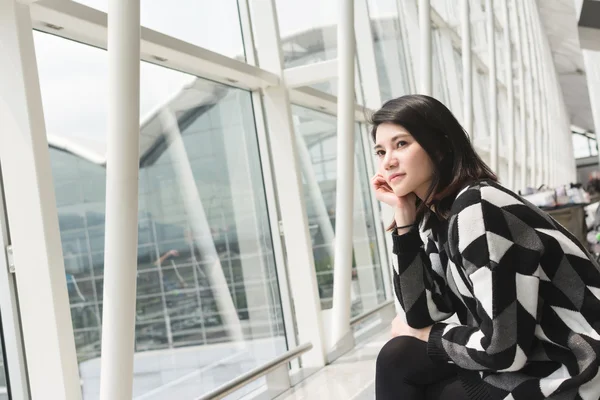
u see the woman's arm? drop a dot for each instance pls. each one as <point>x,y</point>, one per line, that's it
<point>498,277</point>
<point>423,294</point>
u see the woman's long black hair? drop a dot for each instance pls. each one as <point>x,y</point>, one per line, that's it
<point>434,127</point>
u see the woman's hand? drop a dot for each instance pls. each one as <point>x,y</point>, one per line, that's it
<point>405,208</point>
<point>383,191</point>
<point>401,328</point>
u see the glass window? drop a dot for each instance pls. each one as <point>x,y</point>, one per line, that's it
<point>308,31</point>
<point>518,137</point>
<point>502,114</point>
<point>480,105</point>
<point>206,273</point>
<point>316,136</point>
<point>593,147</point>
<point>581,146</point>
<point>212,25</point>
<point>390,57</point>
<point>440,83</point>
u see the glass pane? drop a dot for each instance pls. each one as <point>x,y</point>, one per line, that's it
<point>480,105</point>
<point>4,390</point>
<point>518,137</point>
<point>502,114</point>
<point>593,147</point>
<point>457,109</point>
<point>308,31</point>
<point>440,83</point>
<point>390,56</point>
<point>316,140</point>
<point>214,25</point>
<point>580,146</point>
<point>208,306</point>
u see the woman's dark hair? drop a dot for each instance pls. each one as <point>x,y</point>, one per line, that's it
<point>434,127</point>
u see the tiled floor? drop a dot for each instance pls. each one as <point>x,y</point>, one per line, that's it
<point>352,377</point>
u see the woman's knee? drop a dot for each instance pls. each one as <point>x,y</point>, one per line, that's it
<point>398,351</point>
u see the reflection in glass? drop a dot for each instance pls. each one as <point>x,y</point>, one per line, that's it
<point>208,306</point>
<point>440,80</point>
<point>316,142</point>
<point>390,57</point>
<point>308,31</point>
<point>199,22</point>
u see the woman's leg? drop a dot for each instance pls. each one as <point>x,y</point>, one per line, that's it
<point>404,371</point>
<point>450,389</point>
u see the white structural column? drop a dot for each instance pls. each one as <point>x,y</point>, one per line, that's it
<point>529,90</point>
<point>544,97</point>
<point>493,87</point>
<point>467,67</point>
<point>510,115</point>
<point>533,151</point>
<point>122,168</point>
<point>425,77</point>
<point>300,261</point>
<point>342,274</point>
<point>32,218</point>
<point>536,26</point>
<point>522,142</point>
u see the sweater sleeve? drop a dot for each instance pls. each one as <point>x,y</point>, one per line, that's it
<point>495,265</point>
<point>423,293</point>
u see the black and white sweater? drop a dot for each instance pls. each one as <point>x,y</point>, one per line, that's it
<point>525,292</point>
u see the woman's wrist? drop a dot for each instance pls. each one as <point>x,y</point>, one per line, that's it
<point>405,219</point>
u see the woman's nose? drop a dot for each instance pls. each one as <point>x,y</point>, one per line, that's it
<point>389,161</point>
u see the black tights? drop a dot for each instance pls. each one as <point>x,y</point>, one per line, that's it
<point>404,371</point>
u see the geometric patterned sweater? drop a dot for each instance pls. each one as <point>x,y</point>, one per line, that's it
<point>525,292</point>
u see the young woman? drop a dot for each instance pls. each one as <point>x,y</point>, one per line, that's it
<point>523,288</point>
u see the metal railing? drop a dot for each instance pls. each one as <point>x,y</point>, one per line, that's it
<point>361,317</point>
<point>252,375</point>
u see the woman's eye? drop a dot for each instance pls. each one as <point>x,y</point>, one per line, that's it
<point>401,143</point>
<point>380,153</point>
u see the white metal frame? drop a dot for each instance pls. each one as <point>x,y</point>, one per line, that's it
<point>300,266</point>
<point>527,60</point>
<point>11,324</point>
<point>493,87</point>
<point>32,217</point>
<point>425,77</point>
<point>467,65</point>
<point>521,78</point>
<point>270,192</point>
<point>510,122</point>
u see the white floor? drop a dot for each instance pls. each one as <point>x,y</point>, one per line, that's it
<point>352,377</point>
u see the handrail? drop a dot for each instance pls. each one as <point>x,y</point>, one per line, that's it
<point>361,317</point>
<point>256,373</point>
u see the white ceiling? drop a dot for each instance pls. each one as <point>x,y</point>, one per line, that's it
<point>560,23</point>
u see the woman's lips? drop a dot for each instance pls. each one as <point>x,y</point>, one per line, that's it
<point>396,177</point>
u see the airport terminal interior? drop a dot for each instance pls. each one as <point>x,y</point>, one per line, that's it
<point>180,218</point>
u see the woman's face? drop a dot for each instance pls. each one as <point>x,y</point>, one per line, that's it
<point>404,164</point>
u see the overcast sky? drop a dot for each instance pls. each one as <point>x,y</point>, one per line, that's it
<point>74,77</point>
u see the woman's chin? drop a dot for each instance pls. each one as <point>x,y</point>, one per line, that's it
<point>401,190</point>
